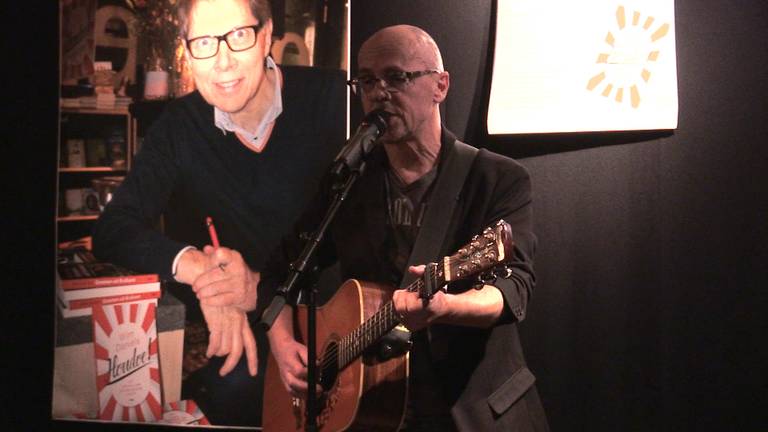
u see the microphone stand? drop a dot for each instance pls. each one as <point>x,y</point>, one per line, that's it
<point>342,186</point>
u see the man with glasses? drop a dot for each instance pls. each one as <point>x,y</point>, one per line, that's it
<point>468,372</point>
<point>247,149</point>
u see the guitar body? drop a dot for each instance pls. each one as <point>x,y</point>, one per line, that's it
<point>367,394</point>
<point>361,392</point>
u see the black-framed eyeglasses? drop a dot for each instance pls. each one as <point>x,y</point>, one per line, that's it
<point>239,39</point>
<point>394,80</point>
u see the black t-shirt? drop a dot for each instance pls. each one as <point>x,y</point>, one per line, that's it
<point>406,207</point>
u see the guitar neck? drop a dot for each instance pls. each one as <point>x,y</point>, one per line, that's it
<point>482,253</point>
<point>371,330</point>
<point>353,344</point>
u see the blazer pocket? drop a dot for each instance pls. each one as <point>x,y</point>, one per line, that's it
<point>511,390</point>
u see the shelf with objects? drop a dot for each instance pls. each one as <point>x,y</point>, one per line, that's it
<point>96,149</point>
<point>95,153</point>
<point>120,334</point>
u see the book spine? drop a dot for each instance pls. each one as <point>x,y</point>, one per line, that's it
<point>122,298</point>
<point>108,281</point>
<point>101,292</point>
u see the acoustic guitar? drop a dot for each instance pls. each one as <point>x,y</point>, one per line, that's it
<point>364,377</point>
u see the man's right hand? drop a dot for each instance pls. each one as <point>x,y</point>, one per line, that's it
<point>290,355</point>
<point>192,263</point>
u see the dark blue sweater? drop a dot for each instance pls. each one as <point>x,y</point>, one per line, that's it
<point>188,169</point>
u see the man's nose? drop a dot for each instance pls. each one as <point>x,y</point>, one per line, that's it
<point>379,90</point>
<point>224,58</point>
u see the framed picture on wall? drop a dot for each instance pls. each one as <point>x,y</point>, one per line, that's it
<point>595,65</point>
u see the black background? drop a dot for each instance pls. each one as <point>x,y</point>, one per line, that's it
<point>650,307</point>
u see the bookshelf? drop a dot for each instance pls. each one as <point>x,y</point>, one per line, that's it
<point>95,152</point>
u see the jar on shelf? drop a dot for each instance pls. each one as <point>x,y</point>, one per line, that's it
<point>75,152</point>
<point>156,80</point>
<point>116,149</point>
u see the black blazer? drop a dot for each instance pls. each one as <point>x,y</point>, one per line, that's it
<point>486,379</point>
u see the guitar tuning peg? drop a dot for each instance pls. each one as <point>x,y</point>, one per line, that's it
<point>466,268</point>
<point>503,271</point>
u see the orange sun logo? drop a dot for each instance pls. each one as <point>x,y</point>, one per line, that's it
<point>628,60</point>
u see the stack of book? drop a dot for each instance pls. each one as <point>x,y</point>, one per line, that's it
<point>83,282</point>
<point>99,101</point>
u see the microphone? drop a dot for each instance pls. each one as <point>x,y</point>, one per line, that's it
<point>352,156</point>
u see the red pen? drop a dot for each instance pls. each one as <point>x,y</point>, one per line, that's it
<point>214,237</point>
<point>212,232</point>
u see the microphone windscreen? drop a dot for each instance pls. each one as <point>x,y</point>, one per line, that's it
<point>379,118</point>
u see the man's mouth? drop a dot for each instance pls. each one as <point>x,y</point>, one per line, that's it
<point>387,114</point>
<point>228,85</point>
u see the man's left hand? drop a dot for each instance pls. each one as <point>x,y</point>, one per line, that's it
<point>228,281</point>
<point>230,335</point>
<point>416,312</point>
<point>476,307</point>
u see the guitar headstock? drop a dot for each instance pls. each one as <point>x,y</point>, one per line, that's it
<point>482,253</point>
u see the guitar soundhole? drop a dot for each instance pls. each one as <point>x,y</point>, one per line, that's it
<point>329,369</point>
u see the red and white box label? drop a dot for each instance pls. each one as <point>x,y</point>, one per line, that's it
<point>127,366</point>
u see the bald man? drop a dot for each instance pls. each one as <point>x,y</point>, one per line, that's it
<point>467,367</point>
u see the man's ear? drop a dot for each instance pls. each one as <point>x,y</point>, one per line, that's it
<point>441,89</point>
<point>268,36</point>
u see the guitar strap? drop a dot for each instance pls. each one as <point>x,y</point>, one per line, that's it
<point>441,206</point>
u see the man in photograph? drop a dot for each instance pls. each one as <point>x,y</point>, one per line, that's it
<point>246,149</point>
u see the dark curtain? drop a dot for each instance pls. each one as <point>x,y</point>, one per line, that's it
<point>650,309</point>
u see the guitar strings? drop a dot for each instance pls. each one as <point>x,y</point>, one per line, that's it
<point>385,318</point>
